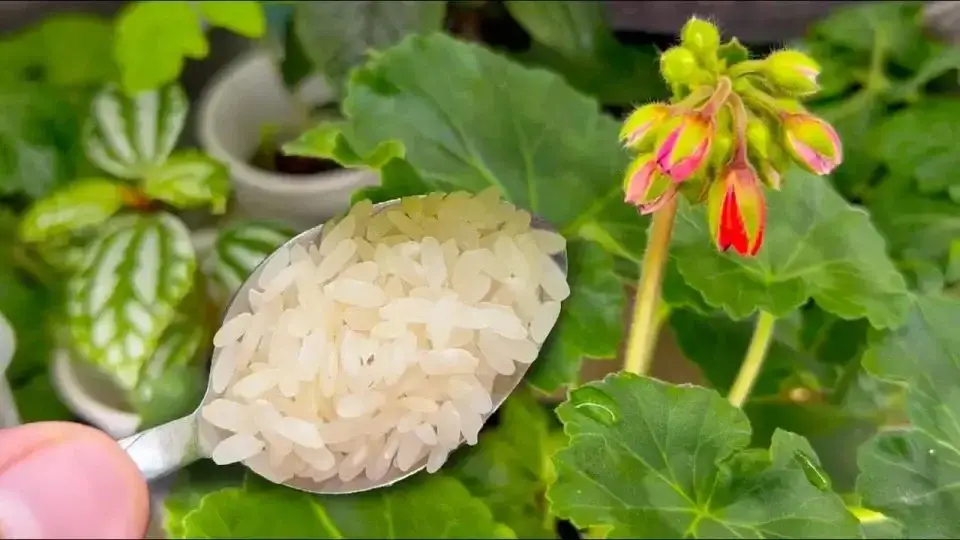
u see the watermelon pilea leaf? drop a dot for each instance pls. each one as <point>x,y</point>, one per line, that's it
<point>129,136</point>
<point>125,294</point>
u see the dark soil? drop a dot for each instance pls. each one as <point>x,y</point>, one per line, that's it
<point>273,159</point>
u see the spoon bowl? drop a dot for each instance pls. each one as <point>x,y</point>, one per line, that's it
<point>171,446</point>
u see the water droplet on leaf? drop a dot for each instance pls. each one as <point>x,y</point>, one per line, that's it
<point>595,404</point>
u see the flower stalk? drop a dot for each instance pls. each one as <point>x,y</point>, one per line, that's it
<point>753,362</point>
<point>642,340</point>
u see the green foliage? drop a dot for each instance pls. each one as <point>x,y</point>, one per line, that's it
<point>805,256</point>
<point>911,474</point>
<point>335,37</point>
<point>153,39</point>
<point>652,460</point>
<point>573,39</point>
<point>859,270</point>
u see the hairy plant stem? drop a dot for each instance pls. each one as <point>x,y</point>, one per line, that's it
<point>753,362</point>
<point>642,339</point>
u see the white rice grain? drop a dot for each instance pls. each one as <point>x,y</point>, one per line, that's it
<point>378,348</point>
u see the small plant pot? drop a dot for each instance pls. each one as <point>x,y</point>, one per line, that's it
<point>92,398</point>
<point>247,97</point>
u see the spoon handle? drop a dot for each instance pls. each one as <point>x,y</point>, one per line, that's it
<point>163,449</point>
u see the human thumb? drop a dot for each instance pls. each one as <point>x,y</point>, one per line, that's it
<point>63,480</point>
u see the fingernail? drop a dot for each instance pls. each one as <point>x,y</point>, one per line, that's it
<point>76,487</point>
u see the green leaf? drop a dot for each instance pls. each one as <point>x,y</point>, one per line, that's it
<point>421,507</point>
<point>189,488</point>
<point>574,29</point>
<point>895,25</point>
<point>460,134</point>
<point>326,141</point>
<point>240,17</point>
<point>38,140</point>
<point>913,474</point>
<point>189,179</point>
<point>130,136</point>
<point>239,249</point>
<point>915,225</point>
<point>337,36</point>
<point>652,460</point>
<point>574,40</point>
<point>126,293</point>
<point>78,206</point>
<point>917,142</point>
<point>153,39</point>
<point>67,50</point>
<point>173,380</point>
<point>510,468</point>
<point>802,257</point>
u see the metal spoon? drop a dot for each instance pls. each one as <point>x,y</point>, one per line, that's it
<point>163,449</point>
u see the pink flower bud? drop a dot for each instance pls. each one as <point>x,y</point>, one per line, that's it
<point>793,72</point>
<point>646,187</point>
<point>642,124</point>
<point>686,146</point>
<point>736,210</point>
<point>812,142</point>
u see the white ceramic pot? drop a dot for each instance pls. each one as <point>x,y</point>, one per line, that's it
<point>248,95</point>
<point>88,396</point>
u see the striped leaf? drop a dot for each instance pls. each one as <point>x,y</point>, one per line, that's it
<point>238,250</point>
<point>82,204</point>
<point>128,136</point>
<point>190,179</point>
<point>134,275</point>
<point>172,381</point>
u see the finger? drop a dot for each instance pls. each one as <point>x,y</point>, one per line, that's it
<point>63,480</point>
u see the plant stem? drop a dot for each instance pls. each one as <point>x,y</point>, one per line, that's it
<point>756,352</point>
<point>640,344</point>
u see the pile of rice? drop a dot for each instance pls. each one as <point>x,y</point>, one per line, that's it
<point>380,345</point>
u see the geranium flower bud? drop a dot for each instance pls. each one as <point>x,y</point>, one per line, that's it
<point>770,176</point>
<point>792,71</point>
<point>701,37</point>
<point>640,127</point>
<point>812,142</point>
<point>736,210</point>
<point>686,145</point>
<point>678,66</point>
<point>646,187</point>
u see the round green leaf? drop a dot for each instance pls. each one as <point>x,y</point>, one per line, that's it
<point>152,40</point>
<point>816,245</point>
<point>423,507</point>
<point>648,459</point>
<point>913,474</point>
<point>239,249</point>
<point>129,136</point>
<point>189,179</point>
<point>134,276</point>
<point>77,206</point>
<point>459,132</point>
